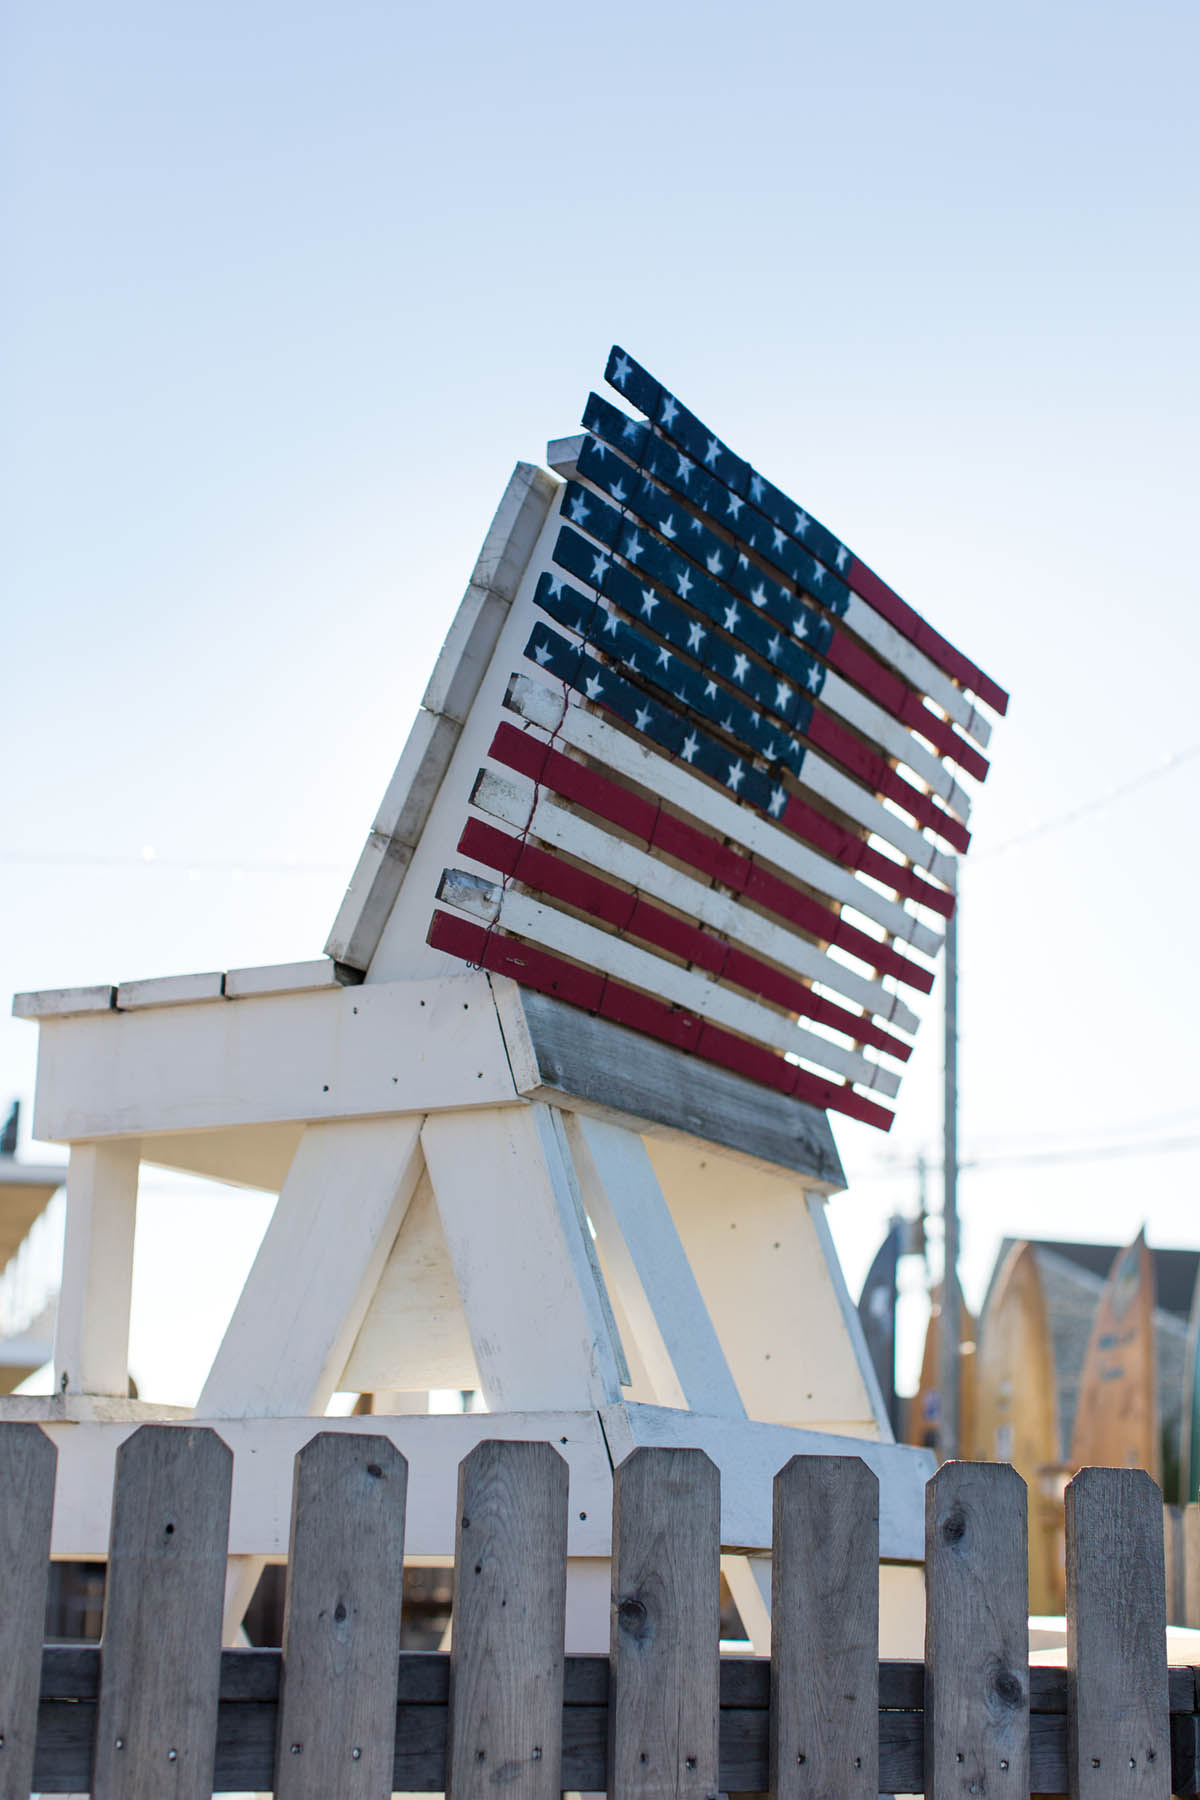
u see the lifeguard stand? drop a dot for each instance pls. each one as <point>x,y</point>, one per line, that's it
<point>572,1160</point>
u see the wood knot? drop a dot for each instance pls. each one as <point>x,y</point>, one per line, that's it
<point>955,1526</point>
<point>634,1617</point>
<point>1007,1688</point>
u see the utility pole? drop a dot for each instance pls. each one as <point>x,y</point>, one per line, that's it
<point>948,1382</point>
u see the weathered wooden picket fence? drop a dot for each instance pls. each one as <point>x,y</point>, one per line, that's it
<point>161,1710</point>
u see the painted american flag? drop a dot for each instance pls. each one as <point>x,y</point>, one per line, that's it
<point>725,801</point>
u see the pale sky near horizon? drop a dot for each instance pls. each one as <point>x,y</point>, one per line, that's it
<point>290,287</point>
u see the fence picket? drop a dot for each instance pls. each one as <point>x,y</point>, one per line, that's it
<point>509,1618</point>
<point>26,1503</point>
<point>825,1630</point>
<point>1118,1728</point>
<point>160,1668</point>
<point>664,1701</point>
<point>341,1634</point>
<point>976,1633</point>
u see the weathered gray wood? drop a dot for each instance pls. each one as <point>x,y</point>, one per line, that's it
<point>976,1633</point>
<point>161,1657</point>
<point>1118,1732</point>
<point>341,1633</point>
<point>664,1705</point>
<point>27,1462</point>
<point>825,1630</point>
<point>620,1071</point>
<point>509,1617</point>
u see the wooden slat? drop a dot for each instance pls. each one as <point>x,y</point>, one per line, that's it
<point>26,1504</point>
<point>509,1613</point>
<point>825,1630</point>
<point>341,1629</point>
<point>1117,1712</point>
<point>663,1714</point>
<point>976,1633</point>
<point>157,1718</point>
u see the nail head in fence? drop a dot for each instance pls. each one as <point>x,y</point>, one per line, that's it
<point>160,1669</point>
<point>664,1699</point>
<point>26,1505</point>
<point>976,1633</point>
<point>341,1633</point>
<point>1118,1730</point>
<point>509,1620</point>
<point>825,1630</point>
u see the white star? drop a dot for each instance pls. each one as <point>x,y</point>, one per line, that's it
<point>667,527</point>
<point>642,717</point>
<point>696,525</point>
<point>842,554</point>
<point>592,686</point>
<point>800,628</point>
<point>773,646</point>
<point>756,488</point>
<point>633,547</point>
<point>631,429</point>
<point>759,595</point>
<point>710,690</point>
<point>579,512</point>
<point>617,490</point>
<point>610,624</point>
<point>669,412</point>
<point>711,453</point>
<point>727,724</point>
<point>740,666</point>
<point>542,654</point>
<point>689,747</point>
<point>598,450</point>
<point>684,470</point>
<point>818,571</point>
<point>622,370</point>
<point>734,505</point>
<point>649,602</point>
<point>683,582</point>
<point>556,586</point>
<point>814,679</point>
<point>734,778</point>
<point>732,615</point>
<point>696,635</point>
<point>802,523</point>
<point>631,663</point>
<point>756,719</point>
<point>777,801</point>
<point>770,752</point>
<point>664,657</point>
<point>779,539</point>
<point>714,563</point>
<point>599,569</point>
<point>743,560</point>
<point>783,694</point>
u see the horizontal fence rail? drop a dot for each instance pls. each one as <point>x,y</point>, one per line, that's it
<point>161,1710</point>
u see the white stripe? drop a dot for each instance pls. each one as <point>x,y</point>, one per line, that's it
<point>568,936</point>
<point>513,801</point>
<point>896,740</point>
<point>715,811</point>
<point>844,792</point>
<point>915,666</point>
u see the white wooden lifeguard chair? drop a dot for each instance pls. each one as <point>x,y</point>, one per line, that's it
<point>663,861</point>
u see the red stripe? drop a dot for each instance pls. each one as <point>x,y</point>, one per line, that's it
<point>903,702</point>
<point>640,918</point>
<point>625,1006</point>
<point>828,733</point>
<point>805,822</point>
<point>899,613</point>
<point>674,837</point>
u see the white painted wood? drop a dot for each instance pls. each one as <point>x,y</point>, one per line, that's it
<point>514,1028</point>
<point>170,990</point>
<point>91,1338</point>
<point>414,1335</point>
<point>915,666</point>
<point>749,1579</point>
<point>857,710</point>
<point>766,1277</point>
<point>519,912</point>
<point>63,1003</point>
<point>851,1321</point>
<point>822,778</point>
<point>250,1156</point>
<point>707,806</point>
<point>265,1451</point>
<point>519,803</point>
<point>528,1284</point>
<point>331,1054</point>
<point>406,806</point>
<point>317,1268</point>
<point>287,978</point>
<point>562,455</point>
<point>650,1270</point>
<point>749,1455</point>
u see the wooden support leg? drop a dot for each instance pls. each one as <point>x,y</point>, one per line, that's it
<point>91,1338</point>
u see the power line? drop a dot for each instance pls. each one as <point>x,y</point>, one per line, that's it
<point>1026,1159</point>
<point>1095,805</point>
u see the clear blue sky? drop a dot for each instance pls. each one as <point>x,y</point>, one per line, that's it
<point>289,287</point>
